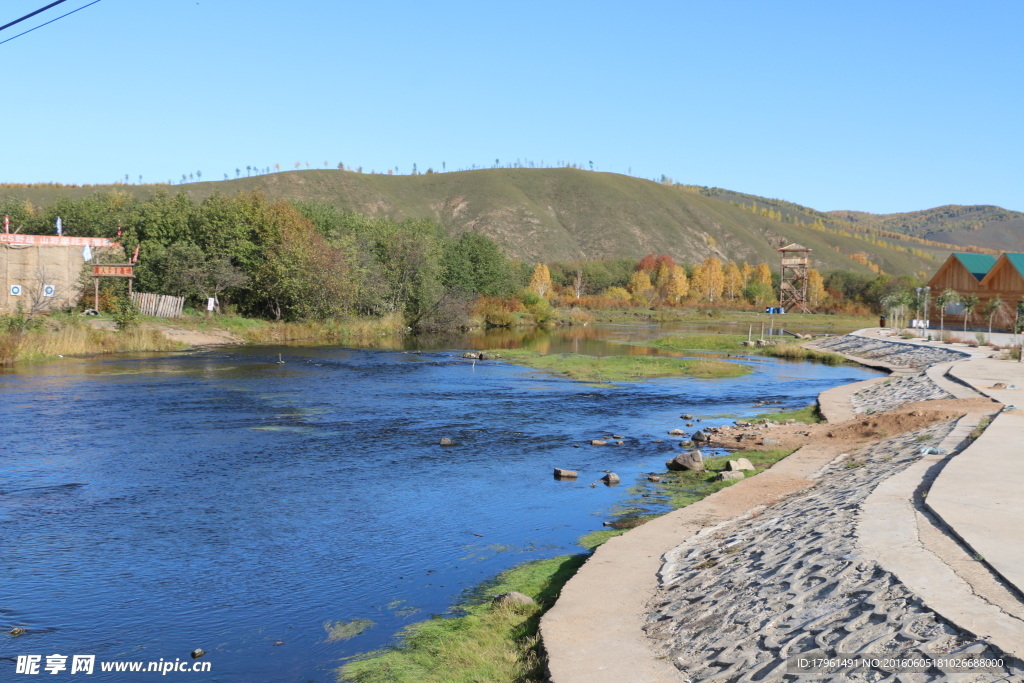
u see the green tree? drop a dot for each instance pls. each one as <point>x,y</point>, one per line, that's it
<point>475,263</point>
<point>969,304</point>
<point>995,309</point>
<point>943,300</point>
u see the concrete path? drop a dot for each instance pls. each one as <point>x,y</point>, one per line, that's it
<point>835,405</point>
<point>978,494</point>
<point>889,531</point>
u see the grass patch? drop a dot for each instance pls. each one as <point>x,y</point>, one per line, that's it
<point>486,643</point>
<point>808,415</point>
<point>620,368</point>
<point>364,330</point>
<point>731,343</point>
<point>680,489</point>
<point>980,428</point>
<point>797,352</point>
<point>71,337</point>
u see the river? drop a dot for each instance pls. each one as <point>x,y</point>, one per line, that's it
<point>154,504</point>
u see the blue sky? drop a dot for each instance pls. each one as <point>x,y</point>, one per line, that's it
<point>874,106</point>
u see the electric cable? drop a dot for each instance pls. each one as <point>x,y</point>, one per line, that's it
<point>31,14</point>
<point>49,22</point>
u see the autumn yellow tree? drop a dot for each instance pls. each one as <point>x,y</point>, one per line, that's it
<point>816,294</point>
<point>733,282</point>
<point>678,285</point>
<point>662,277</point>
<point>746,271</point>
<point>639,282</point>
<point>540,281</point>
<point>711,279</point>
<point>763,274</point>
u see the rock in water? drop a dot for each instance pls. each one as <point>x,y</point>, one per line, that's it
<point>447,442</point>
<point>598,442</point>
<point>654,478</point>
<point>512,598</point>
<point>197,653</point>
<point>565,474</point>
<point>691,460</point>
<point>699,436</point>
<point>676,432</point>
<point>610,478</point>
<point>727,476</point>
<point>16,632</point>
<point>687,416</point>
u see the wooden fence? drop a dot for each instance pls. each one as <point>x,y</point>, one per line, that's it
<point>158,304</point>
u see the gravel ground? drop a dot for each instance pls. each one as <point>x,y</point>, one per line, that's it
<point>736,602</point>
<point>894,353</point>
<point>897,391</point>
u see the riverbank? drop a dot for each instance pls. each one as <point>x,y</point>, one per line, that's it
<point>735,599</point>
<point>63,335</point>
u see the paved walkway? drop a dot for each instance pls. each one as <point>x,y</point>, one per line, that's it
<point>594,634</point>
<point>979,493</point>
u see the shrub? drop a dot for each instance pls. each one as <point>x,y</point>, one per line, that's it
<point>617,294</point>
<point>126,313</point>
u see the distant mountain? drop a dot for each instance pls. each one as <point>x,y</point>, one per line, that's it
<point>984,226</point>
<point>568,214</point>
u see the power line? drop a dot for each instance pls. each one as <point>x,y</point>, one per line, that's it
<point>30,15</point>
<point>49,22</point>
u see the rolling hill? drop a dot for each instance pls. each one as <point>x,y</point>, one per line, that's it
<point>568,214</point>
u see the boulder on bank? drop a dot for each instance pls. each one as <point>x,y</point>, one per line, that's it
<point>699,436</point>
<point>565,474</point>
<point>691,460</point>
<point>729,476</point>
<point>654,478</point>
<point>740,464</point>
<point>766,441</point>
<point>512,598</point>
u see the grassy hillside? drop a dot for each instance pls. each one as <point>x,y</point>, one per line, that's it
<point>985,227</point>
<point>568,214</point>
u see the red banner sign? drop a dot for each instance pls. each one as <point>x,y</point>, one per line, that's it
<point>54,240</point>
<point>113,271</point>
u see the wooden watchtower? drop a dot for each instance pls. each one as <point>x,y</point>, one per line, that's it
<point>793,287</point>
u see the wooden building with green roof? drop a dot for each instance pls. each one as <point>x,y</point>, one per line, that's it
<point>983,276</point>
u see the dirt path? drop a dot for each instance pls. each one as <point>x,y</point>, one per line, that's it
<point>185,336</point>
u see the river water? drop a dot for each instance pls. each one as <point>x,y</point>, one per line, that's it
<point>151,505</point>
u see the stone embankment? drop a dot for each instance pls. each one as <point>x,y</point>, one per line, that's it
<point>890,352</point>
<point>895,392</point>
<point>738,600</point>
